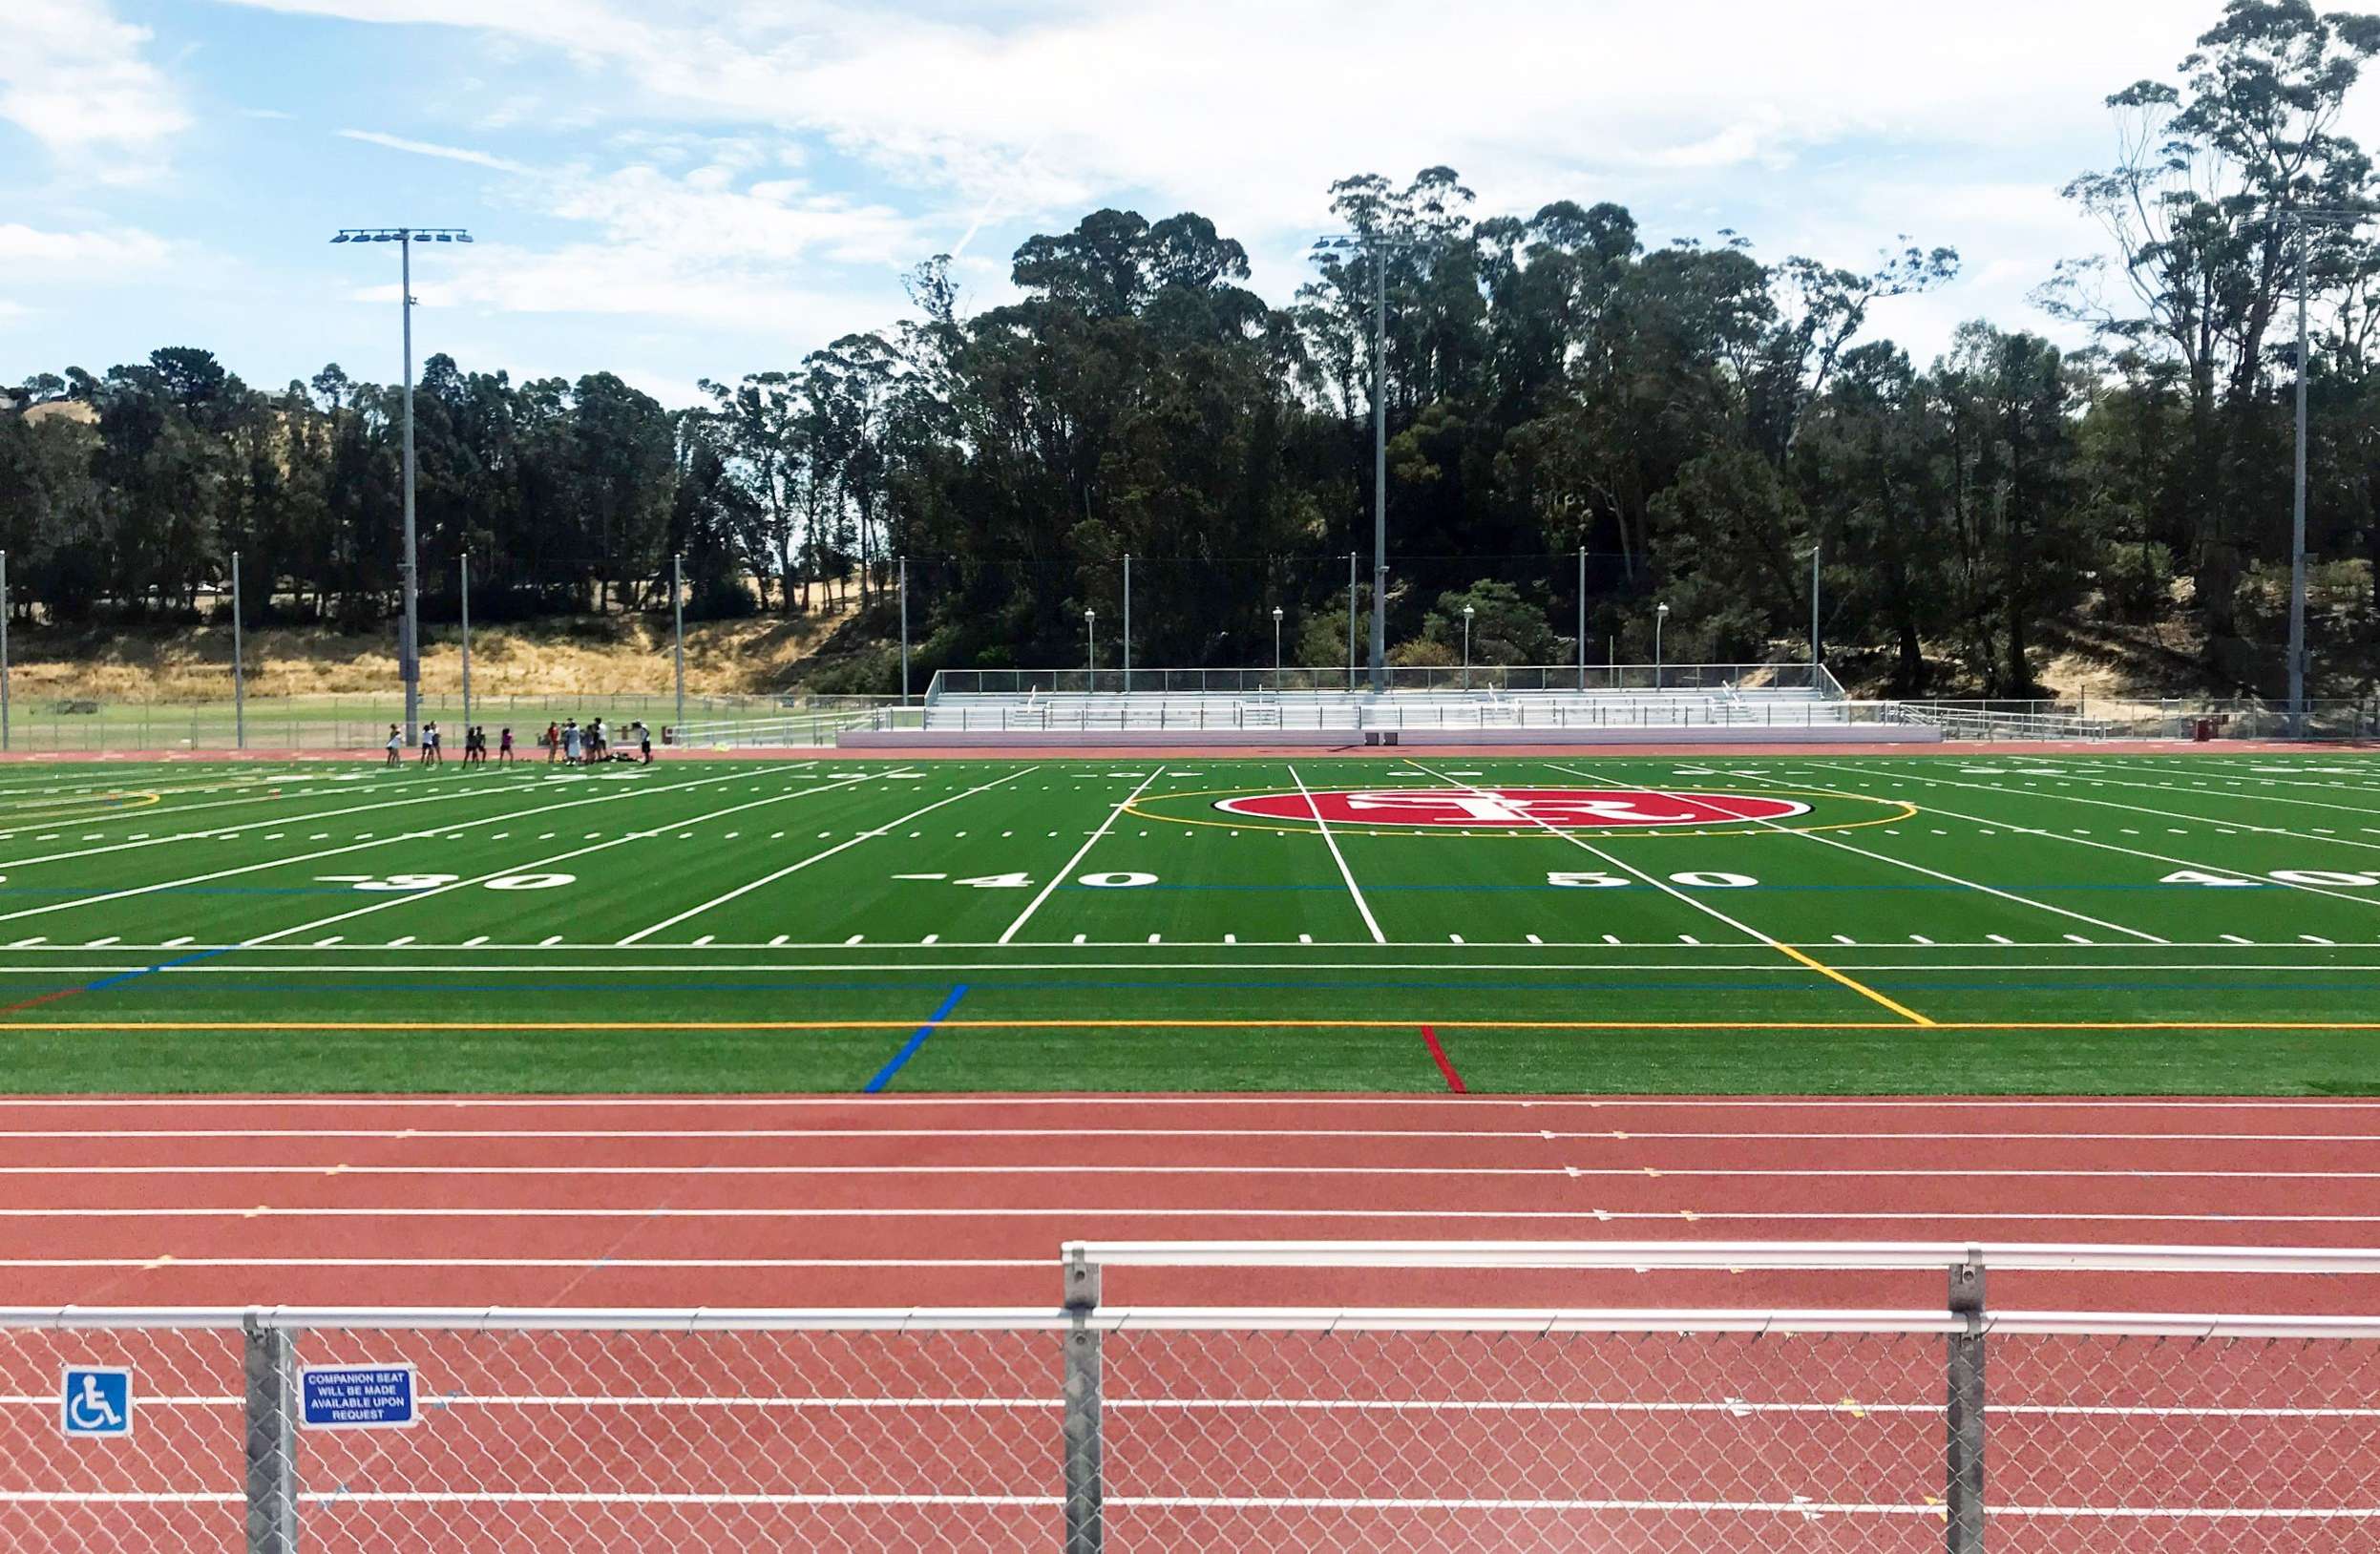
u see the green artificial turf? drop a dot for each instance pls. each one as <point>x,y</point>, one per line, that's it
<point>798,926</point>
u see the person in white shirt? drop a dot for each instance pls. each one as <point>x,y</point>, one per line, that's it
<point>396,742</point>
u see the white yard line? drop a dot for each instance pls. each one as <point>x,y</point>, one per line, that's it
<point>293,818</point>
<point>1344,872</point>
<point>2084,773</point>
<point>409,898</point>
<point>1026,917</point>
<point>2214,821</point>
<point>358,846</point>
<point>2020,829</point>
<point>1830,972</point>
<point>1902,863</point>
<point>775,875</point>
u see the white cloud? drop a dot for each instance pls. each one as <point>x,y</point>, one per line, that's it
<point>74,78</point>
<point>427,148</point>
<point>85,256</point>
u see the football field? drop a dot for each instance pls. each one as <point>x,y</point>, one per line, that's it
<point>1819,923</point>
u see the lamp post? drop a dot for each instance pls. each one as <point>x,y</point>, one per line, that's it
<point>1277,650</point>
<point>904,631</point>
<point>467,724</point>
<point>1467,646</point>
<point>239,664</point>
<point>1090,650</point>
<point>1816,657</point>
<point>1128,622</point>
<point>1378,246</point>
<point>2302,223</point>
<point>408,647</point>
<point>677,639</point>
<point>1660,616</point>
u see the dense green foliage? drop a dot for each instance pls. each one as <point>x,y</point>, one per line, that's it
<point>1695,417</point>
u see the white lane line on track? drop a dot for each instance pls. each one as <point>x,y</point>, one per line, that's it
<point>1084,851</point>
<point>771,878</point>
<point>409,897</point>
<point>1904,863</point>
<point>1127,1212</point>
<point>592,1264</point>
<point>1221,1102</point>
<point>1636,1174</point>
<point>1370,922</point>
<point>338,851</point>
<point>1004,1102</point>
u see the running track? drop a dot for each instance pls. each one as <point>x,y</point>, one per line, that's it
<point>885,1201</point>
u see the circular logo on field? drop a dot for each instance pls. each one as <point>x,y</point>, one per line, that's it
<point>1507,809</point>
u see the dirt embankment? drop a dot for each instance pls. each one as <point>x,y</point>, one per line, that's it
<point>590,656</point>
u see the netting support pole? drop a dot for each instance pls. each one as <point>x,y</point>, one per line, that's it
<point>1964,1453</point>
<point>271,1439</point>
<point>1085,1530</point>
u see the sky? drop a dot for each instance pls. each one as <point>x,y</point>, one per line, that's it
<point>706,188</point>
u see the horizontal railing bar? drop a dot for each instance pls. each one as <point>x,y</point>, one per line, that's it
<point>1128,1319</point>
<point>1822,1256</point>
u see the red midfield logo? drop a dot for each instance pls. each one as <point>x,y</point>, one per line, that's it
<point>1505,808</point>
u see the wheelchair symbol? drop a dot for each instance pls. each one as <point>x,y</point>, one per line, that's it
<point>98,1402</point>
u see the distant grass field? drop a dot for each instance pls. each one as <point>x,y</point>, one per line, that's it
<point>2083,924</point>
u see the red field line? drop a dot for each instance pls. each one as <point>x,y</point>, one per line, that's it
<point>1437,1056</point>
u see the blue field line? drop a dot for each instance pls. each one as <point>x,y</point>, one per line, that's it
<point>121,977</point>
<point>909,1048</point>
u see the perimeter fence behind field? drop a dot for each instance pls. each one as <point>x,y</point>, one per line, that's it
<point>1091,1427</point>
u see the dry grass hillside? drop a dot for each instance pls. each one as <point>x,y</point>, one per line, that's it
<point>607,655</point>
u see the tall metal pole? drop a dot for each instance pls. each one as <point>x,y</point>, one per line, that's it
<point>1351,621</point>
<point>1582,618</point>
<point>904,631</point>
<point>1127,621</point>
<point>1467,647</point>
<point>408,652</point>
<point>238,666</point>
<point>2297,521</point>
<point>1090,650</point>
<point>1814,586</point>
<point>677,633</point>
<point>467,723</point>
<point>4,650</point>
<point>1379,471</point>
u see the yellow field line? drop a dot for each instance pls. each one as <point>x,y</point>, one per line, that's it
<point>1853,983</point>
<point>911,1023</point>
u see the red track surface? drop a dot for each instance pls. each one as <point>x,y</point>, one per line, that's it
<point>925,1200</point>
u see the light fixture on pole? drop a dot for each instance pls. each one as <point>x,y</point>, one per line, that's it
<point>1467,646</point>
<point>1377,246</point>
<point>1090,650</point>
<point>1660,614</point>
<point>408,646</point>
<point>1277,650</point>
<point>2302,223</point>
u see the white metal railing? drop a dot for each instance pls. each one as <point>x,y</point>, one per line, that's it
<point>1402,678</point>
<point>961,714</point>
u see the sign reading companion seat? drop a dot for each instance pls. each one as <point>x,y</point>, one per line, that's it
<point>357,1397</point>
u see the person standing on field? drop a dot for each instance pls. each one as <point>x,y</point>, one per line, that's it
<point>552,743</point>
<point>504,747</point>
<point>396,742</point>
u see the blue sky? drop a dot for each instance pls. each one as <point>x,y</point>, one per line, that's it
<point>711,187</point>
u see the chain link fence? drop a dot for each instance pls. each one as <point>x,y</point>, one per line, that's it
<point>1091,1428</point>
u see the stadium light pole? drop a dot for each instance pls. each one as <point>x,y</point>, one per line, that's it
<point>1128,622</point>
<point>1467,646</point>
<point>1090,650</point>
<point>4,650</point>
<point>1660,617</point>
<point>1378,246</point>
<point>1582,618</point>
<point>2301,221</point>
<point>1814,588</point>
<point>409,648</point>
<point>904,631</point>
<point>1277,650</point>
<point>238,666</point>
<point>1351,621</point>
<point>467,724</point>
<point>677,633</point>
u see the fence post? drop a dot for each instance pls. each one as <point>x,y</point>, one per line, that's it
<point>1964,1456</point>
<point>1085,1532</point>
<point>272,1445</point>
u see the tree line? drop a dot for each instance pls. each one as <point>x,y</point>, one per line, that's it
<point>1693,417</point>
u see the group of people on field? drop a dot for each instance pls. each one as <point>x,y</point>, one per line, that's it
<point>573,746</point>
<point>564,741</point>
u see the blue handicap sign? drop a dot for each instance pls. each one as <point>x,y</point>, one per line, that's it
<point>356,1397</point>
<point>96,1401</point>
